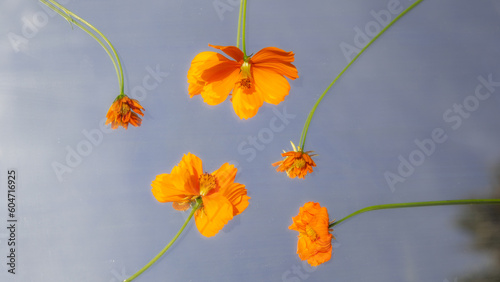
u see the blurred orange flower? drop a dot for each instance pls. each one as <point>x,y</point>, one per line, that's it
<point>253,80</point>
<point>124,111</point>
<point>315,240</point>
<point>296,163</point>
<point>222,198</point>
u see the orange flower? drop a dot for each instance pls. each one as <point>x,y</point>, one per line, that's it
<point>296,163</point>
<point>124,111</point>
<point>252,80</point>
<point>222,198</point>
<point>315,240</point>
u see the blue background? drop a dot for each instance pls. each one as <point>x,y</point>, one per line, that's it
<point>99,221</point>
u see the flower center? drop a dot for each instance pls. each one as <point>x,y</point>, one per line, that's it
<point>300,163</point>
<point>207,183</point>
<point>246,83</point>
<point>311,233</point>
<point>125,109</point>
<point>246,76</point>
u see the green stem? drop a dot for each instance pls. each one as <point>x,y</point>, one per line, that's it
<point>193,210</point>
<point>70,20</point>
<point>116,60</point>
<point>311,113</point>
<point>243,45</point>
<point>238,35</point>
<point>419,204</point>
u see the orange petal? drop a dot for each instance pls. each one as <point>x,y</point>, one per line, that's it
<point>286,69</point>
<point>220,71</point>
<point>191,167</point>
<point>182,182</point>
<point>203,61</point>
<point>215,213</point>
<point>246,105</point>
<point>271,85</point>
<point>195,88</point>
<point>170,188</point>
<point>272,54</point>
<point>225,174</point>
<point>236,193</point>
<point>231,51</point>
<point>200,63</point>
<point>320,257</point>
<point>136,107</point>
<point>216,92</point>
<point>305,247</point>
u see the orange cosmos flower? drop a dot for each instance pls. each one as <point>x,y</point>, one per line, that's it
<point>296,162</point>
<point>253,80</point>
<point>315,240</point>
<point>222,198</point>
<point>124,111</point>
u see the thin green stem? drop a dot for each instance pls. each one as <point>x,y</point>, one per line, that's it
<point>120,73</point>
<point>71,21</point>
<point>311,113</point>
<point>420,204</point>
<point>238,35</point>
<point>193,210</point>
<point>243,45</point>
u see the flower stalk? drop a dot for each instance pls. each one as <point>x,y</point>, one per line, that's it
<point>313,110</point>
<point>419,204</point>
<point>84,25</point>
<point>240,37</point>
<point>196,206</point>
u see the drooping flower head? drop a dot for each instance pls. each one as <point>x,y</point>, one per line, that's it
<point>315,240</point>
<point>252,80</point>
<point>124,111</point>
<point>296,163</point>
<point>222,198</point>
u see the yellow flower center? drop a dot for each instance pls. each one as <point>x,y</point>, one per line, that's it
<point>299,163</point>
<point>125,109</point>
<point>311,233</point>
<point>246,76</point>
<point>207,183</point>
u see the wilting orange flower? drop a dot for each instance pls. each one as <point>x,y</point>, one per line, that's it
<point>296,162</point>
<point>253,80</point>
<point>222,198</point>
<point>315,240</point>
<point>124,111</point>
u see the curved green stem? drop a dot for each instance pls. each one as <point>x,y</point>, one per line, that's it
<point>193,210</point>
<point>419,204</point>
<point>71,21</point>
<point>311,113</point>
<point>67,14</point>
